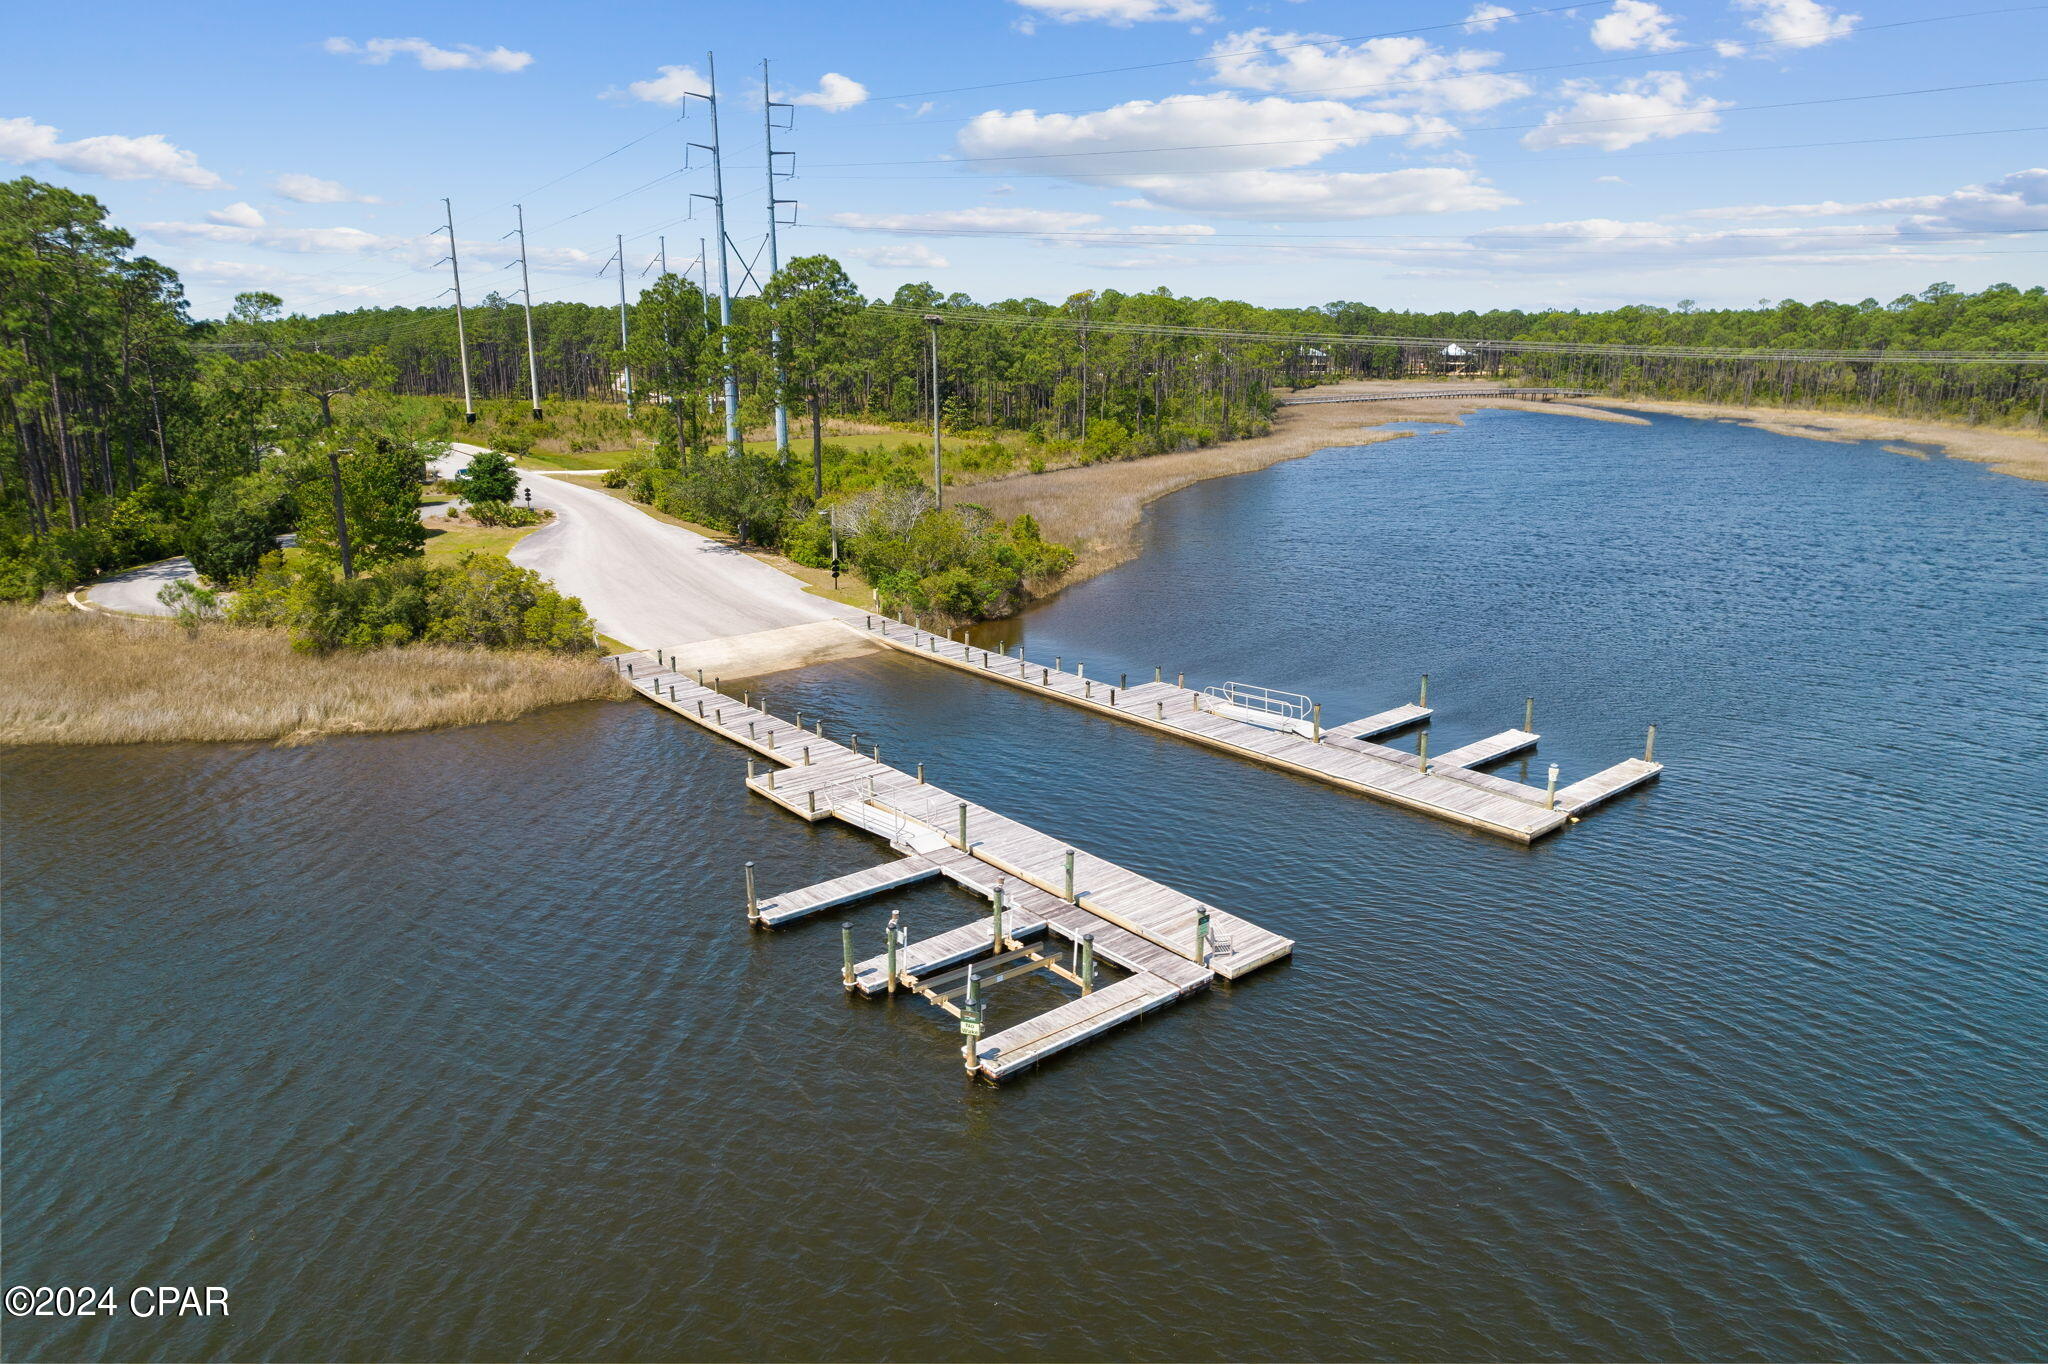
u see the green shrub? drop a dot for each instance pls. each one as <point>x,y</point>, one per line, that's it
<point>490,477</point>
<point>505,514</point>
<point>482,600</point>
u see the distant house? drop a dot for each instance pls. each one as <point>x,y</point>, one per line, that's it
<point>1314,361</point>
<point>1454,356</point>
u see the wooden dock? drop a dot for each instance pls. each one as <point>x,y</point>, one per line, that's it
<point>1051,892</point>
<point>1342,755</point>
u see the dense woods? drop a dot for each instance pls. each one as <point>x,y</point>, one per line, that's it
<point>131,431</point>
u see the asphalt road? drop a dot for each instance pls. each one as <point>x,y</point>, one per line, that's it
<point>646,583</point>
<point>649,584</point>
<point>135,591</point>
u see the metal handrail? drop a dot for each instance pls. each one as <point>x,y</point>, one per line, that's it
<point>1249,696</point>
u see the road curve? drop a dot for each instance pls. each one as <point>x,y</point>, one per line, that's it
<point>649,584</point>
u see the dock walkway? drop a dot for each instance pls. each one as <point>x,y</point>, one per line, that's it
<point>1171,943</point>
<point>1343,755</point>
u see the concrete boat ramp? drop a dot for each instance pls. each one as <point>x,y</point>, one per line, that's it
<point>1053,907</point>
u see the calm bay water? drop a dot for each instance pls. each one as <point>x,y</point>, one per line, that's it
<point>457,1045</point>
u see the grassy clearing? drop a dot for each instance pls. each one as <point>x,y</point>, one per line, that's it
<point>69,677</point>
<point>549,460</point>
<point>451,540</point>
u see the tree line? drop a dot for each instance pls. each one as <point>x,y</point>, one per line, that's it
<point>132,431</point>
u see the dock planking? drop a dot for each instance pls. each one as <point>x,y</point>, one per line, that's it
<point>844,890</point>
<point>1137,924</point>
<point>1342,756</point>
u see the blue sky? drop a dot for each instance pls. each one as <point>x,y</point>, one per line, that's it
<point>1425,155</point>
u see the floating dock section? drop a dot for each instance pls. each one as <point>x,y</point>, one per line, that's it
<point>1344,755</point>
<point>1054,908</point>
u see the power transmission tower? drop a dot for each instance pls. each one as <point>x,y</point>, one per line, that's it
<point>717,198</point>
<point>619,259</point>
<point>526,299</point>
<point>461,336</point>
<point>769,104</point>
<point>938,468</point>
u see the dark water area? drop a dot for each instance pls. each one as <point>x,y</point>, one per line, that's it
<point>456,1045</point>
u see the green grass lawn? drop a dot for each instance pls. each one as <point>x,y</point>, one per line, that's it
<point>588,459</point>
<point>454,543</point>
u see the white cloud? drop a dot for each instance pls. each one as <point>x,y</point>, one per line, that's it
<point>237,215</point>
<point>1391,72</point>
<point>1635,26</point>
<point>2011,203</point>
<point>996,221</point>
<point>915,256</point>
<point>671,85</point>
<point>354,241</point>
<point>149,157</point>
<point>1609,180</point>
<point>244,275</point>
<point>835,94</point>
<point>461,57</point>
<point>1655,105</point>
<point>986,219</point>
<point>311,189</point>
<point>1487,18</point>
<point>1118,13</point>
<point>1312,196</point>
<point>1178,134</point>
<point>1790,23</point>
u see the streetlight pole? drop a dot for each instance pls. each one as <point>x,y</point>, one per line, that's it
<point>938,465</point>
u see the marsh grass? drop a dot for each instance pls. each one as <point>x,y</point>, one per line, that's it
<point>69,677</point>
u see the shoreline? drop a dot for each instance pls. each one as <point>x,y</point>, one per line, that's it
<point>2009,452</point>
<point>79,678</point>
<point>1098,509</point>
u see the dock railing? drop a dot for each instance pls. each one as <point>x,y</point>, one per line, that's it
<point>1281,705</point>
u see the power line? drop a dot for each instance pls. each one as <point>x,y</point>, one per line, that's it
<point>1366,89</point>
<point>1211,56</point>
<point>984,317</point>
<point>1495,128</point>
<point>1546,157</point>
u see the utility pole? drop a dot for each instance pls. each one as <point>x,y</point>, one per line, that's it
<point>938,468</point>
<point>526,297</point>
<point>348,567</point>
<point>717,198</point>
<point>704,269</point>
<point>619,257</point>
<point>663,241</point>
<point>769,104</point>
<point>461,336</point>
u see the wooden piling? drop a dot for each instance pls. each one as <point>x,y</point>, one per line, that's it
<point>963,825</point>
<point>1529,716</point>
<point>1650,746</point>
<point>1087,963</point>
<point>1422,751</point>
<point>1425,691</point>
<point>894,934</point>
<point>1070,876</point>
<point>1202,935</point>
<point>846,955</point>
<point>753,904</point>
<point>1550,790</point>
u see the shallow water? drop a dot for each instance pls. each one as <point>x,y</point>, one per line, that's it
<point>457,1045</point>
